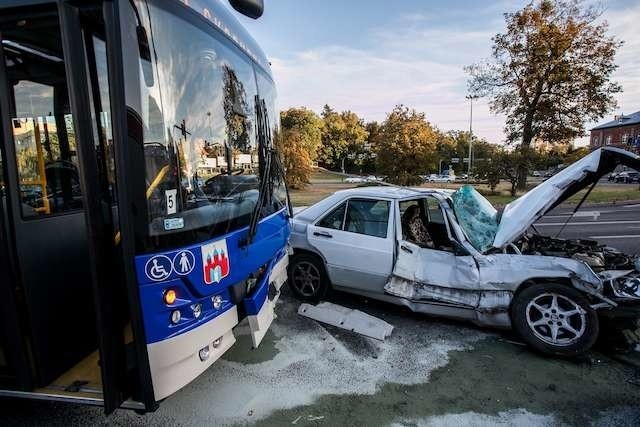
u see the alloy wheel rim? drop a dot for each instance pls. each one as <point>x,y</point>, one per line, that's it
<point>556,319</point>
<point>306,278</point>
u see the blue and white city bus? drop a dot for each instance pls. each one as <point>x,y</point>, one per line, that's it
<point>144,212</point>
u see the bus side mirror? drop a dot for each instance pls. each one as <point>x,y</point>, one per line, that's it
<point>145,56</point>
<point>251,8</point>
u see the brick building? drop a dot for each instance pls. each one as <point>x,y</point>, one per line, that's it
<point>623,131</point>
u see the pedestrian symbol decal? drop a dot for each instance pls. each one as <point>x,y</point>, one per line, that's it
<point>158,268</point>
<point>215,261</point>
<point>184,262</point>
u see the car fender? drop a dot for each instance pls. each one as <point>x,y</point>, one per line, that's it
<point>510,271</point>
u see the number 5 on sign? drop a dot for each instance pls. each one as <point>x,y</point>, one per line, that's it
<point>171,201</point>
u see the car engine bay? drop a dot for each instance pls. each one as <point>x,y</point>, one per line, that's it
<point>599,257</point>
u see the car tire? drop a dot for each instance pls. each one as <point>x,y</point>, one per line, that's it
<point>308,279</point>
<point>555,319</point>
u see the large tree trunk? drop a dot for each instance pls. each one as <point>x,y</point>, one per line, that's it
<point>523,171</point>
<point>527,137</point>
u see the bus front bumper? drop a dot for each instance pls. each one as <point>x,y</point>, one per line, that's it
<point>260,322</point>
<point>177,361</point>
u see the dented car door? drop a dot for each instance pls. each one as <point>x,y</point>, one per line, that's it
<point>435,273</point>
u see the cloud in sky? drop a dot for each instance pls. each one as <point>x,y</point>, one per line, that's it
<point>415,56</point>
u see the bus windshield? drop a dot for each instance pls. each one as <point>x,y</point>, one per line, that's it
<point>197,99</point>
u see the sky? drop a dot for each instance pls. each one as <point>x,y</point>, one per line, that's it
<point>369,55</point>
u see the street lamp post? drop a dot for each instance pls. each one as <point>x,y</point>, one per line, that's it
<point>470,98</point>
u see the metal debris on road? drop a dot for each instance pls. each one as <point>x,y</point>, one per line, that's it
<point>346,318</point>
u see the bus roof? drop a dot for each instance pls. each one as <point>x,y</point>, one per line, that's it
<point>225,21</point>
<point>214,11</point>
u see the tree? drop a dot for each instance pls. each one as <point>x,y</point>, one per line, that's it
<point>512,162</point>
<point>491,171</point>
<point>298,143</point>
<point>406,147</point>
<point>550,72</point>
<point>573,155</point>
<point>343,136</point>
<point>368,159</point>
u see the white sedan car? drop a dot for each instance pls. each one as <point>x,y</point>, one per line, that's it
<point>441,178</point>
<point>450,254</point>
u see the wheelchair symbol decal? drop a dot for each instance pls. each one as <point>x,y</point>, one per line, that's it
<point>158,268</point>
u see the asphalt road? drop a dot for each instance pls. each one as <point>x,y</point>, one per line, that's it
<point>429,372</point>
<point>615,225</point>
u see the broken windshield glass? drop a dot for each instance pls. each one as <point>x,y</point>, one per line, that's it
<point>476,216</point>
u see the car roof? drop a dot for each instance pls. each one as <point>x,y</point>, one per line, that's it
<point>385,192</point>
<point>389,192</point>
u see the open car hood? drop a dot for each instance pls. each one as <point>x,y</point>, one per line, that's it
<point>523,212</point>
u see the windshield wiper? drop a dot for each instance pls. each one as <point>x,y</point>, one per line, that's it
<point>265,154</point>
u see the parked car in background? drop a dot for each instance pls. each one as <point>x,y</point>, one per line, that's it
<point>441,178</point>
<point>536,174</point>
<point>450,254</point>
<point>627,177</point>
<point>355,180</point>
<point>361,179</point>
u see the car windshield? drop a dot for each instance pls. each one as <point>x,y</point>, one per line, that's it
<point>477,217</point>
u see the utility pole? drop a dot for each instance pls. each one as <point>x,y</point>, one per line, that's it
<point>470,98</point>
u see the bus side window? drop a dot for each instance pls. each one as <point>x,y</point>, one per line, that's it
<point>45,145</point>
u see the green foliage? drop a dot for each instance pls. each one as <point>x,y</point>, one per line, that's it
<point>343,138</point>
<point>550,71</point>
<point>407,146</point>
<point>298,144</point>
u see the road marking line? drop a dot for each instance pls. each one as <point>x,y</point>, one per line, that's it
<point>580,214</point>
<point>629,236</point>
<point>555,224</point>
<point>632,206</point>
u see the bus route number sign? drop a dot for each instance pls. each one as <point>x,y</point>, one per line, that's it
<point>171,201</point>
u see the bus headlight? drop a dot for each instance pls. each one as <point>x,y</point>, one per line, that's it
<point>197,310</point>
<point>204,353</point>
<point>217,302</point>
<point>175,316</point>
<point>217,342</point>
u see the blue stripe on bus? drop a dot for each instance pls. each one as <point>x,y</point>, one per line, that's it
<point>187,276</point>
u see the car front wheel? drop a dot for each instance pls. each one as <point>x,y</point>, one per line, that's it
<point>308,278</point>
<point>555,319</point>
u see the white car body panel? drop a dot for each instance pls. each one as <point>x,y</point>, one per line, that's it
<point>354,259</point>
<point>438,268</point>
<point>348,319</point>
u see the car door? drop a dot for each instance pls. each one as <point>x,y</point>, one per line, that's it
<point>443,265</point>
<point>356,240</point>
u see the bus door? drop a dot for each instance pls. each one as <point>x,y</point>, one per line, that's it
<point>14,365</point>
<point>58,143</point>
<point>45,199</point>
